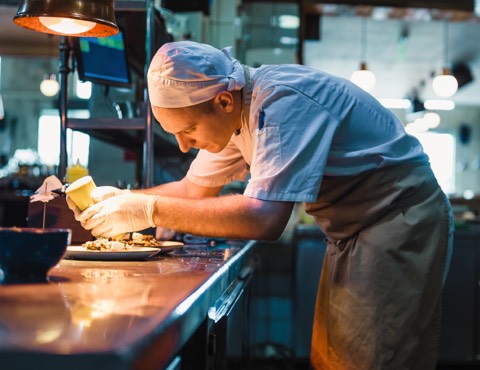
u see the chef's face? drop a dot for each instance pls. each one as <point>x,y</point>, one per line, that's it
<point>208,125</point>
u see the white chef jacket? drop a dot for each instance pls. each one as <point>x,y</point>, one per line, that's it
<point>313,124</point>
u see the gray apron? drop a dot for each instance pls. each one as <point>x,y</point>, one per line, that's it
<point>378,305</point>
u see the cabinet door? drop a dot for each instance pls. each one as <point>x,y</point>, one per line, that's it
<point>229,335</point>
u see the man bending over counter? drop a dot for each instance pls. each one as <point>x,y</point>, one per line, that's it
<point>302,135</point>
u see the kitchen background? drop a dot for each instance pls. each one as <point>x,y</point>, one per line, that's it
<point>404,47</point>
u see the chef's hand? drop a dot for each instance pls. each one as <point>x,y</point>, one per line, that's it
<point>73,207</point>
<point>118,215</point>
<point>98,194</point>
<point>104,192</point>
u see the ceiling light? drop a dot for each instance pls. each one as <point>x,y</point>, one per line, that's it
<point>49,85</point>
<point>432,119</point>
<point>445,85</point>
<point>285,40</point>
<point>363,77</point>
<point>433,104</point>
<point>66,25</point>
<point>289,22</point>
<point>68,17</point>
<point>395,103</point>
<point>417,127</point>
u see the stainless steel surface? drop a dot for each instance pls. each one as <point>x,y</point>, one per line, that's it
<point>115,315</point>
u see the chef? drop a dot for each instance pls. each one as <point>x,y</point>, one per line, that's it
<point>301,135</point>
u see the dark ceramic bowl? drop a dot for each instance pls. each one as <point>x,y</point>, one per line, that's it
<point>27,254</point>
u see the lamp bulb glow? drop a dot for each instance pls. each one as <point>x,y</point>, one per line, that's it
<point>445,85</point>
<point>49,86</point>
<point>364,78</point>
<point>66,26</point>
<point>432,119</point>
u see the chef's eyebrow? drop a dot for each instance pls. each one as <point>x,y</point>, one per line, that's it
<point>186,129</point>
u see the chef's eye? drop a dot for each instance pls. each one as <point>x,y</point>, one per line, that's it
<point>188,131</point>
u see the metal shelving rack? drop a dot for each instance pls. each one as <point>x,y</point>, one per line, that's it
<point>144,123</point>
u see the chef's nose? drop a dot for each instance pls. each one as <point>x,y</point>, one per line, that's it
<point>184,143</point>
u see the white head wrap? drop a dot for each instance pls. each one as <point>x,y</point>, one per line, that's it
<point>186,73</point>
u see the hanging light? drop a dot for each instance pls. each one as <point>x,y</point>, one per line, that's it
<point>68,17</point>
<point>445,84</point>
<point>432,119</point>
<point>49,85</point>
<point>363,77</point>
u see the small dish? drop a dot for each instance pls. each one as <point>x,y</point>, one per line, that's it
<point>27,254</point>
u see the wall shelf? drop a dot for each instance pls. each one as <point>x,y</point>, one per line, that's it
<point>126,133</point>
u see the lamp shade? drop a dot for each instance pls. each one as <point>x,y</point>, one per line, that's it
<point>94,18</point>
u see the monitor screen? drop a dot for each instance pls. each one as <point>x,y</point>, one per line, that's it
<point>103,60</point>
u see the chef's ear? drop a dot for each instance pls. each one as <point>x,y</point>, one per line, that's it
<point>225,100</point>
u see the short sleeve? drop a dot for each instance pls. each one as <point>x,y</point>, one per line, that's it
<point>218,169</point>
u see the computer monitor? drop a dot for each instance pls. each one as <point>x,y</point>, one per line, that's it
<point>103,60</point>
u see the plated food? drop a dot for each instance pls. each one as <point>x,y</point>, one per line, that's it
<point>132,254</point>
<point>115,245</point>
<point>136,247</point>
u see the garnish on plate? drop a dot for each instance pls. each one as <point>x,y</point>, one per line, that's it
<point>115,245</point>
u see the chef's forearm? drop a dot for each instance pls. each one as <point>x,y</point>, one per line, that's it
<point>174,189</point>
<point>182,189</point>
<point>232,216</point>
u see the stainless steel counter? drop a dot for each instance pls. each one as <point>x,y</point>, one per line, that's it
<point>115,314</point>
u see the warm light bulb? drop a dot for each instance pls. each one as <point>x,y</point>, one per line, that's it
<point>445,85</point>
<point>364,78</point>
<point>67,26</point>
<point>432,119</point>
<point>49,86</point>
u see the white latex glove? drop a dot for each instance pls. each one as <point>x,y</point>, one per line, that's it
<point>117,215</point>
<point>73,207</point>
<point>104,192</point>
<point>98,194</point>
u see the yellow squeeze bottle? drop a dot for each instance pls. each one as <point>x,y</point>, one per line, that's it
<point>76,172</point>
<point>80,192</point>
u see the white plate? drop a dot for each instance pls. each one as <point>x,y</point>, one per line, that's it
<point>168,246</point>
<point>135,253</point>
